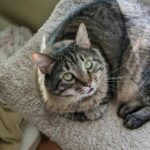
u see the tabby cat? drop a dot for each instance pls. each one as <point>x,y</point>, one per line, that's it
<point>89,61</point>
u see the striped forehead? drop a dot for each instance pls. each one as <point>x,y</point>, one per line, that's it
<point>73,60</point>
<point>72,57</point>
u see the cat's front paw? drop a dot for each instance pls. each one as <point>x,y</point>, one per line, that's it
<point>96,113</point>
<point>132,121</point>
<point>128,108</point>
<point>124,110</point>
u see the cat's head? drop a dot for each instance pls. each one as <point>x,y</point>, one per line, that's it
<point>74,68</point>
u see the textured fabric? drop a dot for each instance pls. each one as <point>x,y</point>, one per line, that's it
<point>22,96</point>
<point>10,132</point>
<point>11,39</point>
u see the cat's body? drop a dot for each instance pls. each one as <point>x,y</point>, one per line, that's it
<point>96,36</point>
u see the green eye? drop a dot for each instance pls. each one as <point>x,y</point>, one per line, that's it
<point>68,76</point>
<point>88,65</point>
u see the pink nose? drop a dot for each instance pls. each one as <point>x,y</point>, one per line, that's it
<point>89,83</point>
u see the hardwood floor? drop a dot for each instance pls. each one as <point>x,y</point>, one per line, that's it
<point>47,144</point>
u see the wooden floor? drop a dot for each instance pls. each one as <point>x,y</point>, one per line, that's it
<point>47,144</point>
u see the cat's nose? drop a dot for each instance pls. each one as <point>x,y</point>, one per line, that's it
<point>89,83</point>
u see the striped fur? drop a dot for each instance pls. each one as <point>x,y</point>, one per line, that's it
<point>51,86</point>
<point>106,29</point>
<point>117,65</point>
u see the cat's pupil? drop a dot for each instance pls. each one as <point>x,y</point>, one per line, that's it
<point>68,77</point>
<point>88,65</point>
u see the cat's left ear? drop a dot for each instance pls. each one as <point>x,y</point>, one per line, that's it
<point>82,39</point>
<point>43,62</point>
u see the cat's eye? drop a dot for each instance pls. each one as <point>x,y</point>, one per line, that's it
<point>68,77</point>
<point>88,65</point>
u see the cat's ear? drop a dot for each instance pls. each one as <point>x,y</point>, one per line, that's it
<point>42,61</point>
<point>82,39</point>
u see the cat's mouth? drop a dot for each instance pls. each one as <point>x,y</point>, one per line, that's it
<point>90,90</point>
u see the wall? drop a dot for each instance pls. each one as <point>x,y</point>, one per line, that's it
<point>31,13</point>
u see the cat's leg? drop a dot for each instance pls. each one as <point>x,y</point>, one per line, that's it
<point>137,111</point>
<point>134,114</point>
<point>138,118</point>
<point>129,107</point>
<point>96,113</point>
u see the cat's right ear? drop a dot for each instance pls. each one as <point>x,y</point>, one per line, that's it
<point>43,62</point>
<point>82,39</point>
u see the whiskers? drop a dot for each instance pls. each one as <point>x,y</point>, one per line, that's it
<point>116,78</point>
<point>111,82</point>
<point>80,91</point>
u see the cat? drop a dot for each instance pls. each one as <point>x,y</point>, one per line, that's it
<point>89,61</point>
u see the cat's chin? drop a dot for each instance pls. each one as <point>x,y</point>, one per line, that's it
<point>88,94</point>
